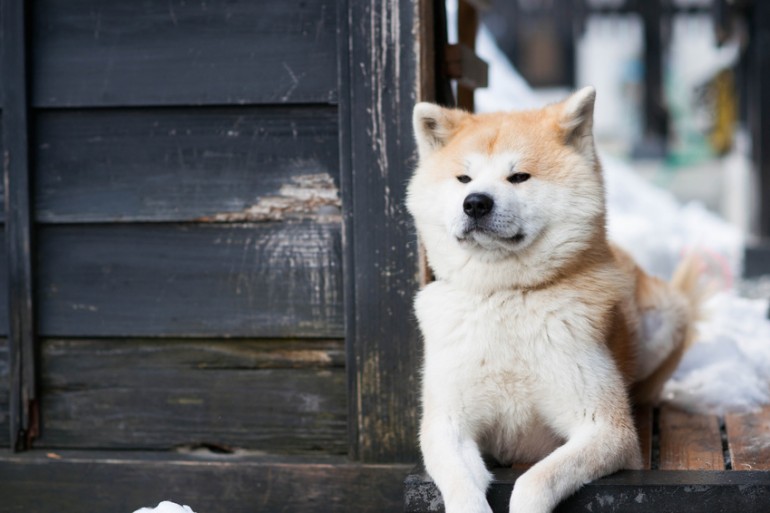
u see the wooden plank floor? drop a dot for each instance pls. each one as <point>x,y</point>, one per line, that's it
<point>748,438</point>
<point>694,463</point>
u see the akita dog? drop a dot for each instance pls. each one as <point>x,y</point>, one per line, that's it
<point>538,333</point>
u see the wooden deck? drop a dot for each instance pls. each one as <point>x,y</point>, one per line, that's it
<point>694,463</point>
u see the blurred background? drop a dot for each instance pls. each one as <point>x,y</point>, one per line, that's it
<point>678,81</point>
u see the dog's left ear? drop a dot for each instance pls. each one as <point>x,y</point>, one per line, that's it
<point>577,120</point>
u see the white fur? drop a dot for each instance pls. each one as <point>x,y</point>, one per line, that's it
<point>515,375</point>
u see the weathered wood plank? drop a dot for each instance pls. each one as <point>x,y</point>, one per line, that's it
<point>643,418</point>
<point>748,437</point>
<point>2,185</point>
<point>4,309</point>
<point>158,52</point>
<point>4,381</point>
<point>383,264</point>
<point>157,394</point>
<point>18,218</point>
<point>221,164</point>
<point>640,491</point>
<point>122,482</point>
<point>689,441</point>
<point>239,280</point>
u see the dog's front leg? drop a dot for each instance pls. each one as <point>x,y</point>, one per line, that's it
<point>591,453</point>
<point>589,410</point>
<point>454,462</point>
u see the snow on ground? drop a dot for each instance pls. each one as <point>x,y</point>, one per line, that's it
<point>728,368</point>
<point>166,507</point>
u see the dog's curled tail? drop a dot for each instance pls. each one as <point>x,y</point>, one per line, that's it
<point>688,280</point>
<point>686,295</point>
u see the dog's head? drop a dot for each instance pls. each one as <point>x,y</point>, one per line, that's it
<point>507,197</point>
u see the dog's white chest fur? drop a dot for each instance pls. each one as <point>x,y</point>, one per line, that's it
<point>491,359</point>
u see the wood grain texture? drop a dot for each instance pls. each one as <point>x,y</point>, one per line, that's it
<point>19,228</point>
<point>627,491</point>
<point>689,441</point>
<point>748,437</point>
<point>2,184</point>
<point>159,394</point>
<point>220,164</point>
<point>119,482</point>
<point>3,284</point>
<point>4,389</point>
<point>158,52</point>
<point>382,267</point>
<point>230,280</point>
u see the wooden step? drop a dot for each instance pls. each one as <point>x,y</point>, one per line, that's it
<point>691,461</point>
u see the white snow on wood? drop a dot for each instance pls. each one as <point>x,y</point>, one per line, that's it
<point>166,507</point>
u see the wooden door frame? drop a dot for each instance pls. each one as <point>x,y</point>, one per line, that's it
<point>386,66</point>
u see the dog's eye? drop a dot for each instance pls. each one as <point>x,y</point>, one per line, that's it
<point>463,178</point>
<point>519,177</point>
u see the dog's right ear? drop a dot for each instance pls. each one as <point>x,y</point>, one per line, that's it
<point>434,126</point>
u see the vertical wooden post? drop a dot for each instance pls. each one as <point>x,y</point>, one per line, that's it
<point>467,26</point>
<point>758,104</point>
<point>379,87</point>
<point>16,175</point>
<point>654,102</point>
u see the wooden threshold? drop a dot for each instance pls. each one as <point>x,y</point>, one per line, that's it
<point>122,481</point>
<point>628,491</point>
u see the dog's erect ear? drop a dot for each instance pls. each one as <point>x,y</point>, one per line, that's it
<point>577,120</point>
<point>434,126</point>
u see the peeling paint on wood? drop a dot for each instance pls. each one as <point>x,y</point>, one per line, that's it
<point>382,262</point>
<point>308,196</point>
<point>131,165</point>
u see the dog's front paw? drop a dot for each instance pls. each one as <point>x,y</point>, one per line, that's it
<point>531,495</point>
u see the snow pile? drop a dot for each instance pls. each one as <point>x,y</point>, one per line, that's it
<point>728,368</point>
<point>166,507</point>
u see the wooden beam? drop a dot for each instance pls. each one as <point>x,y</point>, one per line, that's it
<point>95,482</point>
<point>463,65</point>
<point>758,105</point>
<point>467,26</point>
<point>16,175</point>
<point>381,257</point>
<point>629,491</point>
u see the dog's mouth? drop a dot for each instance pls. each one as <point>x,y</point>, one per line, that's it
<point>484,237</point>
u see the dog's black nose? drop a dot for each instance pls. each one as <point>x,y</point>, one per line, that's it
<point>478,205</point>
